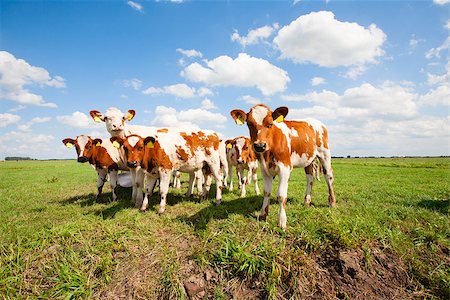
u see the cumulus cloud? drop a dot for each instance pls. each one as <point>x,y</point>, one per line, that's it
<point>37,120</point>
<point>78,120</point>
<point>321,39</point>
<point>7,119</point>
<point>250,100</point>
<point>134,83</point>
<point>317,81</point>
<point>436,52</point>
<point>192,119</point>
<point>243,71</point>
<point>208,104</point>
<point>255,36</point>
<point>136,6</point>
<point>17,73</point>
<point>441,2</point>
<point>180,90</point>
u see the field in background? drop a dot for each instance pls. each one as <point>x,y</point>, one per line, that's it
<point>388,238</point>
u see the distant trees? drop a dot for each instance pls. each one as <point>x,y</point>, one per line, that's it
<point>17,158</point>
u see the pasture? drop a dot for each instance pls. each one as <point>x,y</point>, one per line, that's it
<point>388,237</point>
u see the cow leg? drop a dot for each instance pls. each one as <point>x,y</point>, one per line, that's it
<point>199,177</point>
<point>207,186</point>
<point>255,179</point>
<point>225,175</point>
<point>113,178</point>
<point>133,183</point>
<point>267,192</point>
<point>164,180</point>
<point>309,170</point>
<point>138,185</point>
<point>190,190</point>
<point>230,174</point>
<point>284,175</point>
<point>241,176</point>
<point>325,160</point>
<point>177,183</point>
<point>216,171</point>
<point>149,187</point>
<point>101,179</point>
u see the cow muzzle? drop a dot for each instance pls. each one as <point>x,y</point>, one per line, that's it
<point>259,147</point>
<point>132,164</point>
<point>82,159</point>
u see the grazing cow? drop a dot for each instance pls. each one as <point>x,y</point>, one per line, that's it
<point>101,154</point>
<point>282,145</point>
<point>116,125</point>
<point>240,154</point>
<point>168,151</point>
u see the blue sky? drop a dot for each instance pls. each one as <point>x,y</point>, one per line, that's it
<point>375,72</point>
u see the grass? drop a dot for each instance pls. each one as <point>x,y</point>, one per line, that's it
<point>57,242</point>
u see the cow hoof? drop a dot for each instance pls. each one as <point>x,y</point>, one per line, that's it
<point>262,217</point>
<point>161,211</point>
<point>218,202</point>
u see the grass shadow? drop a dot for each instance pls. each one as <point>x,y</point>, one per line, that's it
<point>441,206</point>
<point>244,206</point>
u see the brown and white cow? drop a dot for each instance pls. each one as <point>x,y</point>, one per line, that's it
<point>240,154</point>
<point>116,124</point>
<point>102,156</point>
<point>282,145</point>
<point>162,154</point>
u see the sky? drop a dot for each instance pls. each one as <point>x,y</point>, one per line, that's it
<point>376,73</point>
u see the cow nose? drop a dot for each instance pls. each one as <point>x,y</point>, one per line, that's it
<point>82,159</point>
<point>259,147</point>
<point>132,164</point>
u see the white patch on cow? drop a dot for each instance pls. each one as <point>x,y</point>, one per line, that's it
<point>294,132</point>
<point>240,143</point>
<point>259,113</point>
<point>300,160</point>
<point>82,140</point>
<point>117,155</point>
<point>307,137</point>
<point>133,140</point>
<point>286,132</point>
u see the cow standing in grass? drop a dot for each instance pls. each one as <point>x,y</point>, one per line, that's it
<point>282,145</point>
<point>105,158</point>
<point>240,155</point>
<point>162,154</point>
<point>116,124</point>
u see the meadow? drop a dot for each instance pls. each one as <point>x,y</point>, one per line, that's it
<point>388,237</point>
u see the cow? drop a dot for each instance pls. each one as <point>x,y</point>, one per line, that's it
<point>240,154</point>
<point>102,156</point>
<point>162,154</point>
<point>282,145</point>
<point>116,124</point>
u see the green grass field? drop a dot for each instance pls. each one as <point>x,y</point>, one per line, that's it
<point>389,237</point>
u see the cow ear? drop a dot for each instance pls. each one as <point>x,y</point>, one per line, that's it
<point>97,142</point>
<point>149,142</point>
<point>116,141</point>
<point>279,114</point>
<point>68,142</point>
<point>97,116</point>
<point>129,115</point>
<point>239,116</point>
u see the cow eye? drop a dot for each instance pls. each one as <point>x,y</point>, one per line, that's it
<point>270,125</point>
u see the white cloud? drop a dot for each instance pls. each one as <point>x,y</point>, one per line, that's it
<point>323,98</point>
<point>8,119</point>
<point>17,108</point>
<point>244,71</point>
<point>190,53</point>
<point>250,100</point>
<point>317,81</point>
<point>208,104</point>
<point>37,120</point>
<point>203,92</point>
<point>436,52</point>
<point>136,6</point>
<point>439,96</point>
<point>191,119</point>
<point>134,83</point>
<point>255,36</point>
<point>441,2</point>
<point>17,73</point>
<point>180,90</point>
<point>321,39</point>
<point>78,120</point>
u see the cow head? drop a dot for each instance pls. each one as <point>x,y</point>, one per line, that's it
<point>242,146</point>
<point>134,147</point>
<point>84,145</point>
<point>114,120</point>
<point>260,120</point>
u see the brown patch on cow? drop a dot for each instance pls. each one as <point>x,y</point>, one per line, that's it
<point>101,159</point>
<point>301,143</point>
<point>136,152</point>
<point>183,155</point>
<point>164,130</point>
<point>156,157</point>
<point>199,139</point>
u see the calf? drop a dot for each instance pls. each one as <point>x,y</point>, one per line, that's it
<point>102,156</point>
<point>116,124</point>
<point>168,151</point>
<point>282,145</point>
<point>240,154</point>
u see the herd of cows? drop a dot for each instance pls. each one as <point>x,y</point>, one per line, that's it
<point>151,154</point>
